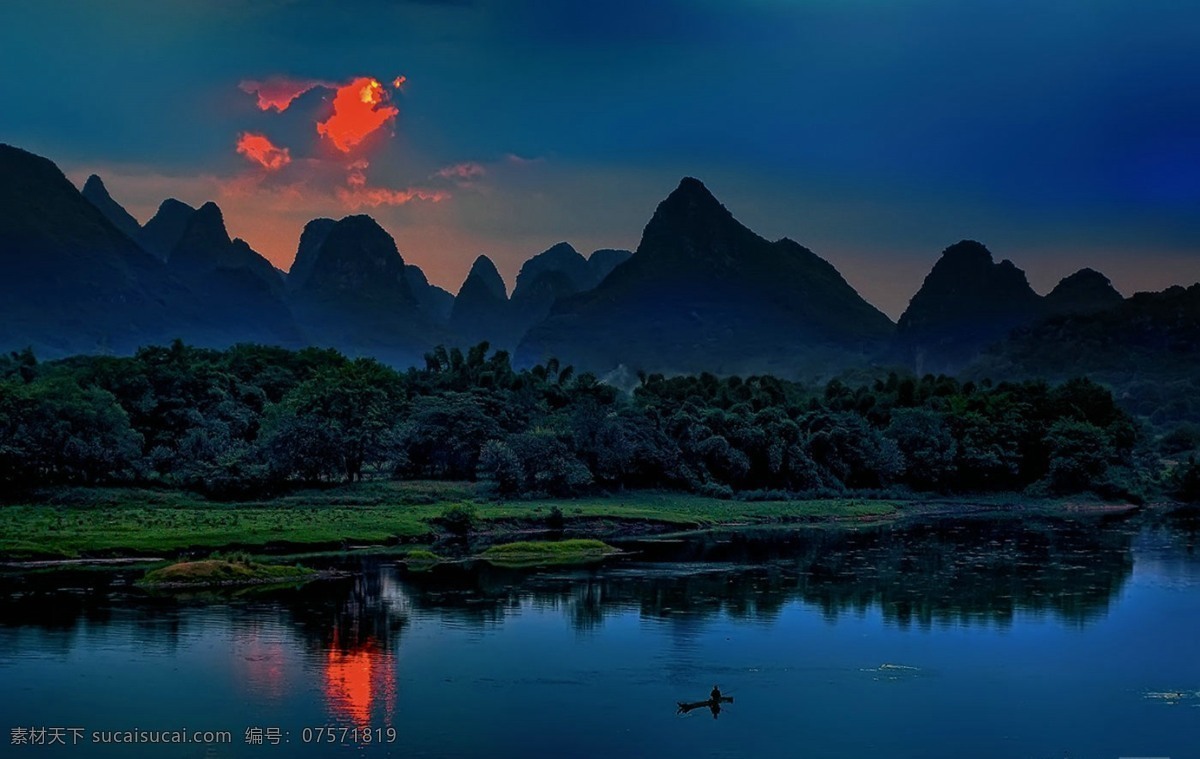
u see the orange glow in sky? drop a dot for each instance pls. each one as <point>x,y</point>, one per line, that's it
<point>358,111</point>
<point>259,149</point>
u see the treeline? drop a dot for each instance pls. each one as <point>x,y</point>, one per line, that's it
<point>254,420</point>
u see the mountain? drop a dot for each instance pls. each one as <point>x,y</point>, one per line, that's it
<point>603,261</point>
<point>356,297</point>
<point>1146,348</point>
<point>159,236</point>
<point>966,302</point>
<point>553,274</point>
<point>704,293</point>
<point>482,311</point>
<point>560,258</point>
<point>243,292</point>
<point>436,303</point>
<point>70,281</point>
<point>1085,291</point>
<point>311,239</point>
<point>97,194</point>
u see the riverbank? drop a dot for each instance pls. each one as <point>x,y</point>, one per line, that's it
<point>108,523</point>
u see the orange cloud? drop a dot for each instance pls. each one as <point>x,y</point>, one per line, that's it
<point>357,197</point>
<point>259,149</point>
<point>278,92</point>
<point>462,171</point>
<point>358,111</point>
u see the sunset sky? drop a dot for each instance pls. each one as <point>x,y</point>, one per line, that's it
<point>1061,134</point>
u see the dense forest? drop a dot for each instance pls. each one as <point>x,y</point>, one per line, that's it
<point>254,421</point>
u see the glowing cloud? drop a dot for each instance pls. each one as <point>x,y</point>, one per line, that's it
<point>462,171</point>
<point>357,193</point>
<point>260,150</point>
<point>355,198</point>
<point>278,92</point>
<point>358,111</point>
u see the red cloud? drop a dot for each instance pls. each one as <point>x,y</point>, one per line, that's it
<point>358,111</point>
<point>259,149</point>
<point>462,171</point>
<point>278,92</point>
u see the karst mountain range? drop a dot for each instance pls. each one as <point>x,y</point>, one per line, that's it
<point>702,292</point>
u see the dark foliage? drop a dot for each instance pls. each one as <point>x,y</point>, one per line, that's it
<point>252,420</point>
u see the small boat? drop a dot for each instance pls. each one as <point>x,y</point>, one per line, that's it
<point>711,703</point>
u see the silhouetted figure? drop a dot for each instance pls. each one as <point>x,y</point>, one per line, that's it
<point>713,703</point>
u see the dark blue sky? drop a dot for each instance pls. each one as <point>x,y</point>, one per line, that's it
<point>1061,134</point>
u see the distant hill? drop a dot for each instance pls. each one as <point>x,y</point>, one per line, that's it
<point>704,293</point>
<point>603,261</point>
<point>553,274</point>
<point>356,297</point>
<point>967,302</point>
<point>482,311</point>
<point>1086,291</point>
<point>1147,348</point>
<point>243,293</point>
<point>70,281</point>
<point>161,233</point>
<point>562,259</point>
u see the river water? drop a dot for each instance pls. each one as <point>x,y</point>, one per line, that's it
<point>972,638</point>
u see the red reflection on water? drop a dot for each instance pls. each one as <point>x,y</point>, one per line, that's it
<point>357,678</point>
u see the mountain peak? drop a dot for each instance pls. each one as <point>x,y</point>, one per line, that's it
<point>560,258</point>
<point>204,233</point>
<point>1085,291</point>
<point>967,253</point>
<point>966,301</point>
<point>358,258</point>
<point>97,194</point>
<point>485,272</point>
<point>95,184</point>
<point>690,200</point>
<point>165,228</point>
<point>703,292</point>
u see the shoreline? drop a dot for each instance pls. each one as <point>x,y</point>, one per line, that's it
<point>153,526</point>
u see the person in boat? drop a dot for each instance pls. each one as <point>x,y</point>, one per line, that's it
<point>716,694</point>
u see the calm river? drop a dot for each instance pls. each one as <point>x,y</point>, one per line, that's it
<point>969,639</point>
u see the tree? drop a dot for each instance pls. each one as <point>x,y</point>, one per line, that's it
<point>343,416</point>
<point>500,470</point>
<point>54,431</point>
<point>1079,456</point>
<point>927,445</point>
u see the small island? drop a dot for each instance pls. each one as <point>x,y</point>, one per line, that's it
<point>224,572</point>
<point>541,553</point>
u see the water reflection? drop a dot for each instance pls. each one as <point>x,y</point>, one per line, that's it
<point>972,572</point>
<point>513,653</point>
<point>961,572</point>
<point>353,630</point>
